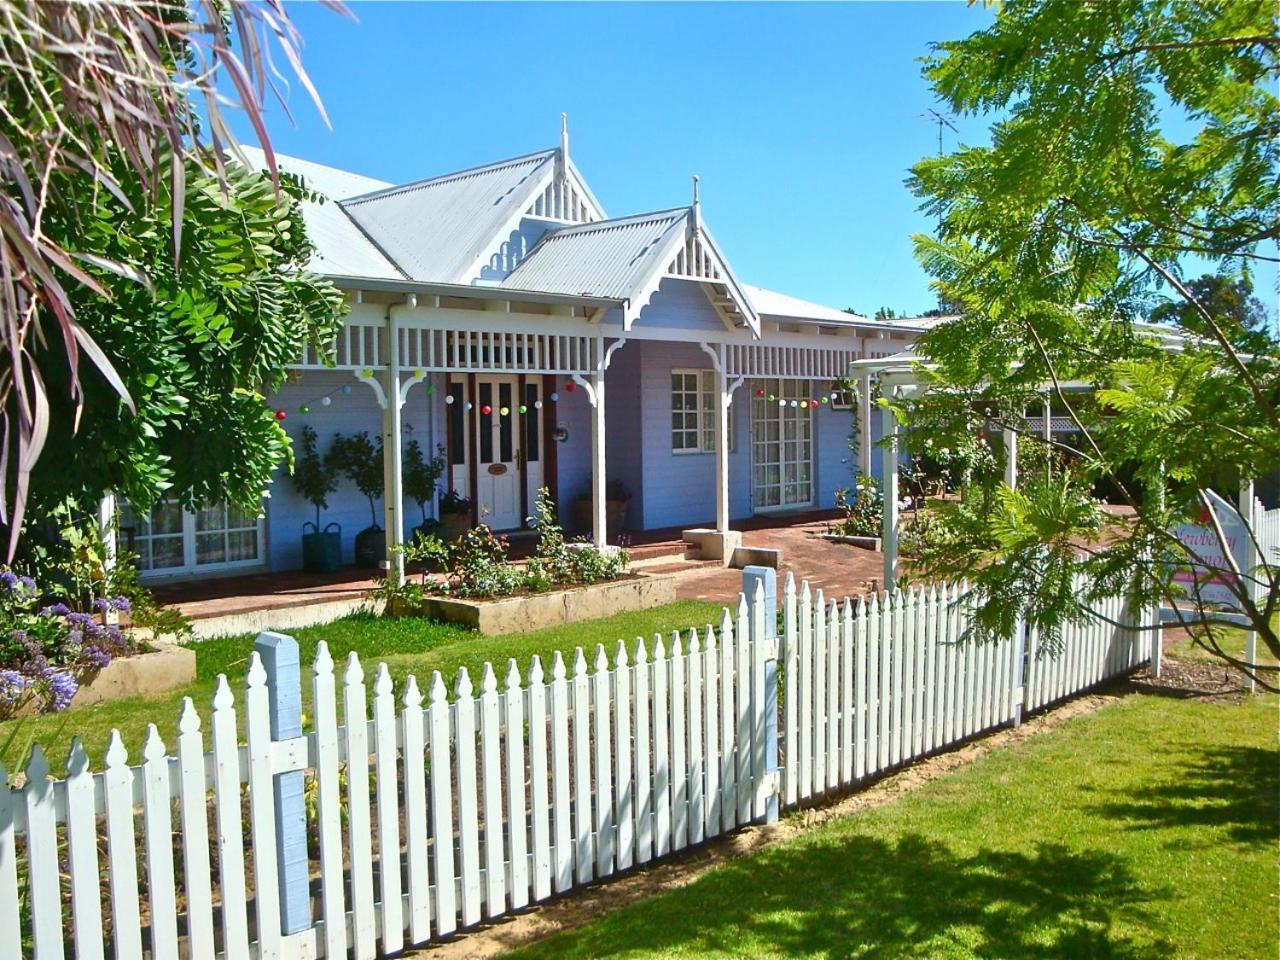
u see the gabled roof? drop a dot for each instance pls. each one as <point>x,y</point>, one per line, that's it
<point>440,229</point>
<point>341,247</point>
<point>627,258</point>
<point>608,258</point>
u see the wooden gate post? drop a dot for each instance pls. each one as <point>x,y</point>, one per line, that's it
<point>760,586</point>
<point>279,655</point>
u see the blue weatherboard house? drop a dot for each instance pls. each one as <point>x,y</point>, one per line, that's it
<point>500,313</point>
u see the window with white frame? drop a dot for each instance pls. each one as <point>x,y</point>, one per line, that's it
<point>693,412</point>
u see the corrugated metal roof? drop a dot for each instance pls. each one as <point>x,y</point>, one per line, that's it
<point>434,229</point>
<point>342,249</point>
<point>608,258</point>
<point>775,304</point>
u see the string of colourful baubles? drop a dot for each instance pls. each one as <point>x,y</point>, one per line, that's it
<point>486,409</point>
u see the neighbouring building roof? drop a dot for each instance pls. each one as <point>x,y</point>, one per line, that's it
<point>774,304</point>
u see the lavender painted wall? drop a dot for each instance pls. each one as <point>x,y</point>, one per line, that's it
<point>358,410</point>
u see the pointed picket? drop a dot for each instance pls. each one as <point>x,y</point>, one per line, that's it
<point>743,788</point>
<point>413,736</point>
<point>584,840</point>
<point>920,691</point>
<point>495,857</point>
<point>955,665</point>
<point>834,681</point>
<point>624,798</point>
<point>601,710</point>
<point>442,807</point>
<point>874,656</point>
<point>821,644</point>
<point>464,718</point>
<point>82,855</point>
<point>679,744</point>
<point>387,804</point>
<point>933,676</point>
<point>860,690</point>
<point>884,693</point>
<point>847,653</point>
<point>333,910</point>
<point>11,932</point>
<point>790,657</point>
<point>806,693</point>
<point>539,800</point>
<point>158,822</point>
<point>718,728</point>
<point>900,710</point>
<point>661,750</point>
<point>234,919</point>
<point>561,808</point>
<point>517,818</point>
<point>643,757</point>
<point>43,896</point>
<point>359,816</point>
<point>697,814</point>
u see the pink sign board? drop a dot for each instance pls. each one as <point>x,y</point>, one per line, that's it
<point>1214,575</point>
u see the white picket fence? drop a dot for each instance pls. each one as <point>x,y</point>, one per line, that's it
<point>431,815</point>
<point>1266,527</point>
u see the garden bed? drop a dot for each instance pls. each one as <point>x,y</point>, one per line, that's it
<point>163,667</point>
<point>538,610</point>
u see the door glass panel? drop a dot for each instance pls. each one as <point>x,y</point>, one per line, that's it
<point>485,391</point>
<point>532,424</point>
<point>457,425</point>
<point>505,425</point>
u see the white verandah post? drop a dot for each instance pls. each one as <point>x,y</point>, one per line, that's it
<point>864,424</point>
<point>599,481</point>
<point>392,438</point>
<point>722,401</point>
<point>889,531</point>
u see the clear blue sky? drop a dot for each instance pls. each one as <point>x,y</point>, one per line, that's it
<point>802,119</point>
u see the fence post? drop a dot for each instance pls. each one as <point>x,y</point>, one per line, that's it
<point>1019,646</point>
<point>765,580</point>
<point>279,655</point>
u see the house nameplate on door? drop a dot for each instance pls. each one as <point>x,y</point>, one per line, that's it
<point>497,469</point>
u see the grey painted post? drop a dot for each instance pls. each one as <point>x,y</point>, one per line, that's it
<point>767,577</point>
<point>279,655</point>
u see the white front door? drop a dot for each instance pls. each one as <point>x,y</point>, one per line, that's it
<point>781,444</point>
<point>499,460</point>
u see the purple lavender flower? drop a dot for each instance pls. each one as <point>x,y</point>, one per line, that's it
<point>27,583</point>
<point>81,620</point>
<point>62,687</point>
<point>122,604</point>
<point>57,610</point>
<point>95,656</point>
<point>9,580</point>
<point>102,604</point>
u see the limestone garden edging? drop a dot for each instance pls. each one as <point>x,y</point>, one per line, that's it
<point>535,611</point>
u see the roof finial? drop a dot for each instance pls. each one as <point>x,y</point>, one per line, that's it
<point>564,138</point>
<point>696,199</point>
<point>697,204</point>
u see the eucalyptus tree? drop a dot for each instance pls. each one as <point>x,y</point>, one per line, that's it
<point>112,112</point>
<point>1132,144</point>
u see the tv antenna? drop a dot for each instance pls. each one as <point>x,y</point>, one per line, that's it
<point>942,120</point>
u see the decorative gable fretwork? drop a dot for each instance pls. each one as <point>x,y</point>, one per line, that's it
<point>695,261</point>
<point>562,200</point>
<point>789,363</point>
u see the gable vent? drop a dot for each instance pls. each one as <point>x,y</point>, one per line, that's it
<point>695,261</point>
<point>561,201</point>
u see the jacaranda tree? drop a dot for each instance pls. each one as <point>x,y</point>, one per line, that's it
<point>1133,142</point>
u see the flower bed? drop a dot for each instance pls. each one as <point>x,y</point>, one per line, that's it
<point>48,652</point>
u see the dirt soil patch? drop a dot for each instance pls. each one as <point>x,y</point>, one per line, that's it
<point>590,903</point>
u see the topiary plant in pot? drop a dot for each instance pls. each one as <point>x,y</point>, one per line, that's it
<point>420,479</point>
<point>315,477</point>
<point>359,458</point>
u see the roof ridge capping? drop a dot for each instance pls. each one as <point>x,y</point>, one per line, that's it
<point>541,156</point>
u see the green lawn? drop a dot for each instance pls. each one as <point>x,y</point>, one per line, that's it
<point>1146,830</point>
<point>407,646</point>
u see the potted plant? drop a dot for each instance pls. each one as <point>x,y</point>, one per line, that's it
<point>315,477</point>
<point>455,516</point>
<point>420,479</point>
<point>616,498</point>
<point>359,458</point>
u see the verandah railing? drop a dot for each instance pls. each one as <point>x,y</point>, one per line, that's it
<point>431,813</point>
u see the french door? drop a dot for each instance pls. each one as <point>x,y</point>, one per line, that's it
<point>781,445</point>
<point>498,451</point>
<point>170,540</point>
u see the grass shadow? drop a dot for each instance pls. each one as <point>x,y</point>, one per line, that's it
<point>860,896</point>
<point>1235,789</point>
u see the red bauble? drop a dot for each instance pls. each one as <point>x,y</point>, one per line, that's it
<point>486,409</point>
<point>759,391</point>
<point>570,387</point>
<point>280,414</point>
